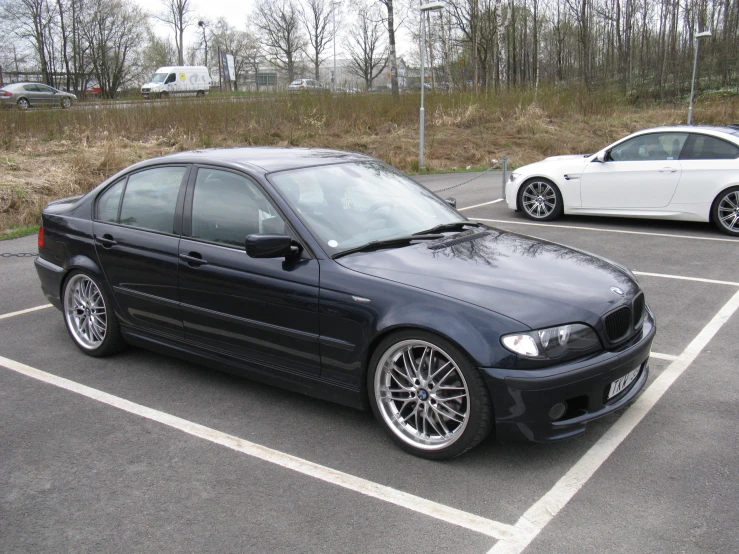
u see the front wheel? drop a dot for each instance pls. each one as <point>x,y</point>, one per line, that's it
<point>428,395</point>
<point>89,316</point>
<point>66,103</point>
<point>725,211</point>
<point>540,200</point>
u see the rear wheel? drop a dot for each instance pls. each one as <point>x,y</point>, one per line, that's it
<point>23,104</point>
<point>725,211</point>
<point>200,93</point>
<point>428,395</point>
<point>540,200</point>
<point>66,103</point>
<point>89,316</point>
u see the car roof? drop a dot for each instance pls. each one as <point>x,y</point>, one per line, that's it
<point>268,159</point>
<point>733,130</point>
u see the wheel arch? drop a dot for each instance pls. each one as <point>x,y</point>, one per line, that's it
<point>84,263</point>
<point>716,197</point>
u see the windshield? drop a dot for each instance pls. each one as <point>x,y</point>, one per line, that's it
<point>348,205</point>
<point>158,78</point>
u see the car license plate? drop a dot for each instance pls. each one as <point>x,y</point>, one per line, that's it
<point>620,384</point>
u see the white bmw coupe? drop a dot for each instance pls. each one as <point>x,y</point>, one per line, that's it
<point>689,173</point>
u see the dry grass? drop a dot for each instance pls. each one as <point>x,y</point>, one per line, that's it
<point>49,154</point>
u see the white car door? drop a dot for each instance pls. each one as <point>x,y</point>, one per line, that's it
<point>642,172</point>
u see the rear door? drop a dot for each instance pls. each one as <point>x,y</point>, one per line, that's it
<point>136,239</point>
<point>33,94</point>
<point>642,172</point>
<point>264,311</point>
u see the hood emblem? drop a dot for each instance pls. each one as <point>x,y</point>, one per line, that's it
<point>618,291</point>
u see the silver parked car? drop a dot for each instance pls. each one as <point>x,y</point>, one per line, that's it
<point>25,95</point>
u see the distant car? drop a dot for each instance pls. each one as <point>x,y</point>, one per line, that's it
<point>305,85</point>
<point>334,275</point>
<point>26,95</point>
<point>688,173</point>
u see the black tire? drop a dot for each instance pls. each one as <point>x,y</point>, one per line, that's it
<point>66,103</point>
<point>23,104</point>
<point>200,93</point>
<point>77,311</point>
<point>725,211</point>
<point>476,407</point>
<point>539,207</point>
<point>164,94</point>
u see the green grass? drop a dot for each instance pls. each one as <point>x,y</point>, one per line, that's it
<point>17,232</point>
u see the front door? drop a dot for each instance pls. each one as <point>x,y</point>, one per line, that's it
<point>264,311</point>
<point>642,172</point>
<point>137,246</point>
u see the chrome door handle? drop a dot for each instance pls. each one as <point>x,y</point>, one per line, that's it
<point>668,170</point>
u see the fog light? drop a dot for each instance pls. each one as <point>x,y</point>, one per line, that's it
<point>557,411</point>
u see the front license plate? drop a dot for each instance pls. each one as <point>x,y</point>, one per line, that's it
<point>620,384</point>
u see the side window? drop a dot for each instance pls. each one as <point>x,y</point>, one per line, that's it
<point>150,199</point>
<point>704,147</point>
<point>44,88</point>
<point>654,146</point>
<point>226,208</point>
<point>30,88</point>
<point>108,203</point>
<point>170,79</point>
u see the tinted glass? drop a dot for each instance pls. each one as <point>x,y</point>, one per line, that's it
<point>703,147</point>
<point>150,199</point>
<point>347,205</point>
<point>170,79</point>
<point>654,146</point>
<point>44,88</point>
<point>226,208</point>
<point>108,203</point>
<point>30,88</point>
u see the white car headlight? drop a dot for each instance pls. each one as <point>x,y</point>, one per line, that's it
<point>561,342</point>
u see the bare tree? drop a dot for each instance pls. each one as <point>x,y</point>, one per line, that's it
<point>389,6</point>
<point>367,46</point>
<point>178,14</point>
<point>279,24</point>
<point>316,16</point>
<point>31,20</point>
<point>241,44</point>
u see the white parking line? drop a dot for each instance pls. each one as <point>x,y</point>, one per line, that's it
<point>549,505</point>
<point>483,204</point>
<point>668,357</point>
<point>21,312</point>
<point>735,241</point>
<point>683,278</point>
<point>414,503</point>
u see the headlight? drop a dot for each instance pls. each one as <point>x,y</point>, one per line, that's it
<point>563,341</point>
<point>514,176</point>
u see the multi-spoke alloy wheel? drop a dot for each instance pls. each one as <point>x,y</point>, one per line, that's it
<point>84,310</point>
<point>727,212</point>
<point>429,398</point>
<point>540,200</point>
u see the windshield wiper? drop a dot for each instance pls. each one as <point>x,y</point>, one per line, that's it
<point>398,241</point>
<point>450,227</point>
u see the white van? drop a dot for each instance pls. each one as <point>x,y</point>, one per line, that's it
<point>186,80</point>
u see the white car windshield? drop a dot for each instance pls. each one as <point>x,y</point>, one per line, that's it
<point>158,77</point>
<point>348,205</point>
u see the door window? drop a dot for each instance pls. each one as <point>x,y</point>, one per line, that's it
<point>226,208</point>
<point>44,88</point>
<point>170,79</point>
<point>704,147</point>
<point>30,88</point>
<point>150,199</point>
<point>654,146</point>
<point>109,202</point>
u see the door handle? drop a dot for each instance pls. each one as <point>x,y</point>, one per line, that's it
<point>668,170</point>
<point>193,259</point>
<point>106,241</point>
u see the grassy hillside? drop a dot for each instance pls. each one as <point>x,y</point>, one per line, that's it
<point>47,154</point>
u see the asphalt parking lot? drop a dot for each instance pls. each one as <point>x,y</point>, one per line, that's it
<point>144,453</point>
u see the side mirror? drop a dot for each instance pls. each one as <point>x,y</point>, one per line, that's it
<point>451,201</point>
<point>601,156</point>
<point>271,246</point>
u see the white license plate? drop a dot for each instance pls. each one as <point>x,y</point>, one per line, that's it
<point>620,384</point>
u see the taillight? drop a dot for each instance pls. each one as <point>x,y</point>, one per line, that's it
<point>301,86</point>
<point>7,93</point>
<point>40,237</point>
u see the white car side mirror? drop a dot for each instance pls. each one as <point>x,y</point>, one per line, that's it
<point>601,156</point>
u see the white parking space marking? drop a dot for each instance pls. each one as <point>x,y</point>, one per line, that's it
<point>668,357</point>
<point>21,312</point>
<point>549,505</point>
<point>414,503</point>
<point>735,241</point>
<point>683,278</point>
<point>478,205</point>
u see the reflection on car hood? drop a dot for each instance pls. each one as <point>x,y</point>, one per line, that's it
<point>536,282</point>
<point>581,157</point>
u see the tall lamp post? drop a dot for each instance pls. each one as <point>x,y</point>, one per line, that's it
<point>202,24</point>
<point>333,15</point>
<point>698,36</point>
<point>433,6</point>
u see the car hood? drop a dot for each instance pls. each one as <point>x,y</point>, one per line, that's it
<point>555,164</point>
<point>536,282</point>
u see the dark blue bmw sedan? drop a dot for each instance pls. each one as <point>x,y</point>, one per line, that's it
<point>334,275</point>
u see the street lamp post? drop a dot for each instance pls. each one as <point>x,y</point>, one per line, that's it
<point>202,24</point>
<point>333,15</point>
<point>698,36</point>
<point>433,6</point>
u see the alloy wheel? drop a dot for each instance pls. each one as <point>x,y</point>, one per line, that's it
<point>539,199</point>
<point>728,211</point>
<point>422,395</point>
<point>85,312</point>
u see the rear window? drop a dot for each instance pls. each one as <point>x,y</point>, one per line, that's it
<point>705,147</point>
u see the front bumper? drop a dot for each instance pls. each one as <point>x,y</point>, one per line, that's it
<point>522,398</point>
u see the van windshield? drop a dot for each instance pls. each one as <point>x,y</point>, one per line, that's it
<point>158,77</point>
